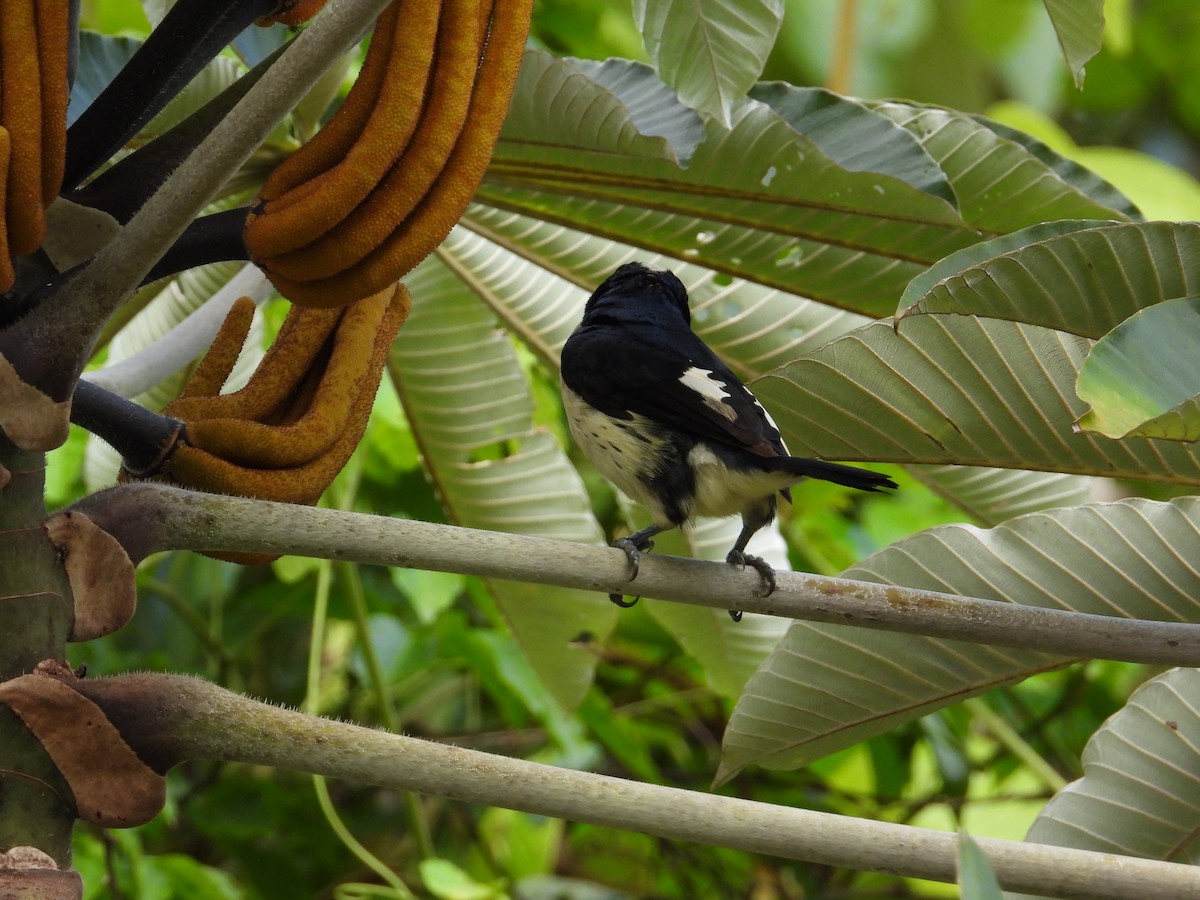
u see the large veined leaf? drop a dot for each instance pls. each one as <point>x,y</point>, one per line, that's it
<point>654,108</point>
<point>829,686</point>
<point>1086,282</point>
<point>1141,378</point>
<point>984,166</point>
<point>855,136</point>
<point>1079,25</point>
<point>959,390</point>
<point>992,496</point>
<point>759,201</point>
<point>469,406</point>
<point>1069,170</point>
<point>709,51</point>
<point>1141,777</point>
<point>960,261</point>
<point>763,200</point>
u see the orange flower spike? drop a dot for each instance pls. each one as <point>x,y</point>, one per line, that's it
<point>8,277</point>
<point>212,373</point>
<point>53,40</point>
<point>201,467</point>
<point>417,236</point>
<point>333,141</point>
<point>21,102</point>
<point>319,423</point>
<point>460,43</point>
<point>299,217</point>
<point>292,12</point>
<point>274,384</point>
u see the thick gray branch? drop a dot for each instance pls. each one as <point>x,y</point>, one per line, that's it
<point>168,719</point>
<point>149,517</point>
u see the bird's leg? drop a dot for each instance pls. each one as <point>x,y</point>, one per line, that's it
<point>634,546</point>
<point>738,557</point>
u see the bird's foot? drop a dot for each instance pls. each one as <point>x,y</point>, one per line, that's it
<point>620,600</point>
<point>633,550</point>
<point>760,565</point>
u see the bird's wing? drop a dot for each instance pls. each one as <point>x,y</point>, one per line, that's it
<point>669,376</point>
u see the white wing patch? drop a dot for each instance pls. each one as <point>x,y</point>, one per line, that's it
<point>712,392</point>
<point>771,422</point>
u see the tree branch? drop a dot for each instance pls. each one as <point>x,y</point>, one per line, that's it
<point>168,719</point>
<point>149,517</point>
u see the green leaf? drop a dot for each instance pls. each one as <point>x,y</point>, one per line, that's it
<point>1086,282</point>
<point>985,166</point>
<point>446,881</point>
<point>764,201</point>
<point>855,136</point>
<point>958,390</point>
<point>916,297</point>
<point>975,875</point>
<point>469,405</point>
<point>654,108</point>
<point>1141,773</point>
<point>709,51</point>
<point>827,687</point>
<point>992,496</point>
<point>1041,136</point>
<point>759,201</point>
<point>1079,25</point>
<point>1141,378</point>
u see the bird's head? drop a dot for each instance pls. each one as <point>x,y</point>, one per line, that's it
<point>637,293</point>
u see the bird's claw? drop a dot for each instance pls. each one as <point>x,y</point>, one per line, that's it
<point>760,565</point>
<point>633,552</point>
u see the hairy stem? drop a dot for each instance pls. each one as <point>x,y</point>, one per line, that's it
<point>168,719</point>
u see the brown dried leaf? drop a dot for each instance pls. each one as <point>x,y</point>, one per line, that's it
<point>100,573</point>
<point>112,786</point>
<point>29,418</point>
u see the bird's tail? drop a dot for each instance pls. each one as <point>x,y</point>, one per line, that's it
<point>850,476</point>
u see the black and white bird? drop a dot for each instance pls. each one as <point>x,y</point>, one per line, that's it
<point>662,418</point>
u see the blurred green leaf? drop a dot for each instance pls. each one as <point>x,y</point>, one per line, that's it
<point>975,875</point>
<point>446,881</point>
<point>1141,378</point>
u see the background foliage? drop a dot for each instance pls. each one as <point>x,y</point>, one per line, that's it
<point>443,657</point>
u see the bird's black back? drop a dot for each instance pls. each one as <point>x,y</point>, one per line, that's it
<point>634,346</point>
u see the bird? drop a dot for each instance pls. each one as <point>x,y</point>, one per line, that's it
<point>660,416</point>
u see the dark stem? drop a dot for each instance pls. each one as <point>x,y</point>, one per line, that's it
<point>191,34</point>
<point>209,239</point>
<point>144,439</point>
